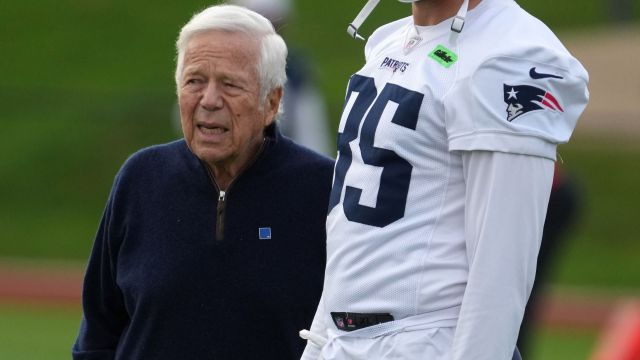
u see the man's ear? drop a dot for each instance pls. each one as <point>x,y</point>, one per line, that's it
<point>273,105</point>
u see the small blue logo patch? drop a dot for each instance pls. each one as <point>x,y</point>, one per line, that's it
<point>264,233</point>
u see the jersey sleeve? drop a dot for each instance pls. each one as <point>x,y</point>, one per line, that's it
<point>523,103</point>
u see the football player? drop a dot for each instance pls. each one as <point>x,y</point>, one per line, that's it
<point>447,145</point>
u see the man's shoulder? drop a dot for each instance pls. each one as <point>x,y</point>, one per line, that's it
<point>504,28</point>
<point>159,151</point>
<point>293,160</point>
<point>303,157</point>
<point>386,33</point>
<point>156,156</point>
<point>504,34</point>
<point>531,89</point>
<point>390,28</point>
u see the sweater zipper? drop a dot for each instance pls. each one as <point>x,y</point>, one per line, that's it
<point>220,216</point>
<point>222,195</point>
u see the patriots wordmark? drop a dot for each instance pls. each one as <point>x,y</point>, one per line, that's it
<point>394,65</point>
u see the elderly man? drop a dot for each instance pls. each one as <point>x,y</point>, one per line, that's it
<point>202,242</point>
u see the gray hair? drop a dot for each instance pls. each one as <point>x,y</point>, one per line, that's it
<point>273,50</point>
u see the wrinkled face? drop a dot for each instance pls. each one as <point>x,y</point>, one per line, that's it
<point>222,114</point>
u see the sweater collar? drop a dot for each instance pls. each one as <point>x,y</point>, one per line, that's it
<point>272,132</point>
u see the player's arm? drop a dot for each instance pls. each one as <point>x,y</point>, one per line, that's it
<point>506,119</point>
<point>506,201</point>
<point>104,314</point>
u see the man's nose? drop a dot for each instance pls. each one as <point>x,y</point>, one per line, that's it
<point>211,99</point>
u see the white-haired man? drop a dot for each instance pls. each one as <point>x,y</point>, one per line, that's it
<point>441,187</point>
<point>199,251</point>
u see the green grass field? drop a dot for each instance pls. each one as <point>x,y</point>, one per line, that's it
<point>562,344</point>
<point>601,250</point>
<point>30,332</point>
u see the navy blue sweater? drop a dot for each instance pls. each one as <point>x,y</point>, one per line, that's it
<point>161,285</point>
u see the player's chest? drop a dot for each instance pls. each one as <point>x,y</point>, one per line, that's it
<point>428,69</point>
<point>398,96</point>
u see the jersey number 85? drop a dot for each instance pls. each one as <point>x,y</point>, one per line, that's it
<point>396,171</point>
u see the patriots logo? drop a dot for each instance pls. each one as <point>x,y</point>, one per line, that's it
<point>521,99</point>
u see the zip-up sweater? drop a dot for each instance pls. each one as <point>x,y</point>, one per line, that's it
<point>161,285</point>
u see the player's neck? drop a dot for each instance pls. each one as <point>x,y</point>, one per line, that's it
<point>431,12</point>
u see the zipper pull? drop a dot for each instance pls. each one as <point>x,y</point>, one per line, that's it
<point>220,216</point>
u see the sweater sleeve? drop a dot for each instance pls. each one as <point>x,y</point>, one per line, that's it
<point>105,316</point>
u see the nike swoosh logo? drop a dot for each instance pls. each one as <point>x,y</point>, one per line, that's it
<point>536,75</point>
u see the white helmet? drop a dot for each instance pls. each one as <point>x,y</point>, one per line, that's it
<point>352,29</point>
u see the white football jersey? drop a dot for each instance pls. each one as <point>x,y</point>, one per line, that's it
<point>395,228</point>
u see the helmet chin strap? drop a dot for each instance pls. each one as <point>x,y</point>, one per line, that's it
<point>458,22</point>
<point>456,25</point>
<point>352,29</point>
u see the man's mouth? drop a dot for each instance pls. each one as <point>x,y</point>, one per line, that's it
<point>212,129</point>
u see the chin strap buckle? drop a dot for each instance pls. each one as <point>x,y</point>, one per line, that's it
<point>457,24</point>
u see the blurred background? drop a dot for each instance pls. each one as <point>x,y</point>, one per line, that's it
<point>86,83</point>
